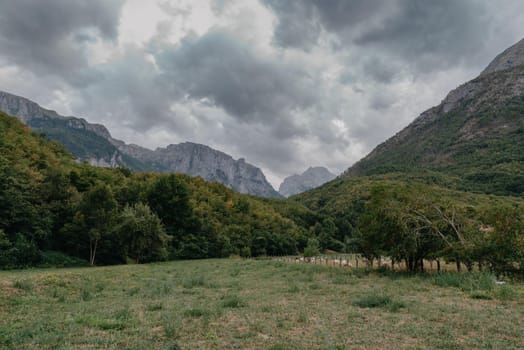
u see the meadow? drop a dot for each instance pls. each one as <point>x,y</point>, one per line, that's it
<point>256,304</point>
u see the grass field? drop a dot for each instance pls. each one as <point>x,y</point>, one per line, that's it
<point>248,304</point>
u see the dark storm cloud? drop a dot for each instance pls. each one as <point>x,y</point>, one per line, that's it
<point>379,70</point>
<point>431,33</point>
<point>297,26</point>
<point>249,86</point>
<point>133,89</point>
<point>300,22</point>
<point>49,36</point>
<point>426,34</point>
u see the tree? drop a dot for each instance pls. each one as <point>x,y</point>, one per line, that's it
<point>503,243</point>
<point>312,248</point>
<point>375,225</point>
<point>169,199</point>
<point>326,232</point>
<point>142,234</point>
<point>97,212</point>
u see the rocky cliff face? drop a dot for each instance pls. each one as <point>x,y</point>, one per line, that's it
<point>311,178</point>
<point>476,134</point>
<point>200,160</point>
<point>93,143</point>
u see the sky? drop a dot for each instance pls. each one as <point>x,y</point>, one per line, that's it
<point>285,84</point>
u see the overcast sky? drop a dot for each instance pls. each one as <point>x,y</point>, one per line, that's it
<point>285,84</point>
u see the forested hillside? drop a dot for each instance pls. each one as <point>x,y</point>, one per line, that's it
<point>475,135</point>
<point>50,205</point>
<point>55,211</point>
<point>408,218</point>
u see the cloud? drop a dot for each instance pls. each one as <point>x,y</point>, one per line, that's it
<point>283,84</point>
<point>248,85</point>
<point>51,37</point>
<point>427,35</point>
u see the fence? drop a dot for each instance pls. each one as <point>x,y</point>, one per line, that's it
<point>357,261</point>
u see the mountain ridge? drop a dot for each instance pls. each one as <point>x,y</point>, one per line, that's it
<point>93,143</point>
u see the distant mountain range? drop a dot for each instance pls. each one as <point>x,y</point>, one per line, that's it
<point>94,144</point>
<point>311,178</point>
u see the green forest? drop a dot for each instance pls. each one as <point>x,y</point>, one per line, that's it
<point>57,212</point>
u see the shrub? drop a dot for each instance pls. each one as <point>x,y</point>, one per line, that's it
<point>58,259</point>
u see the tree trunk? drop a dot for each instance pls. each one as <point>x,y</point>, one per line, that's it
<point>92,251</point>
<point>438,265</point>
<point>459,267</point>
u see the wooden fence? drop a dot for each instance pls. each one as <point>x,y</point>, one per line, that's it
<point>356,261</point>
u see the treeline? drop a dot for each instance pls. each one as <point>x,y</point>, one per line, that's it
<point>412,221</point>
<point>411,226</point>
<point>49,203</point>
<point>54,211</point>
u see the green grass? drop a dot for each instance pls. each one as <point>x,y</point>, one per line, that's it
<point>375,299</point>
<point>238,304</point>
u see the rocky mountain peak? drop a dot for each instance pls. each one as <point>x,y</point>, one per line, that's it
<point>511,57</point>
<point>311,178</point>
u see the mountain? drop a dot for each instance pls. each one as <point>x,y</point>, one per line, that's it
<point>311,178</point>
<point>200,160</point>
<point>94,144</point>
<point>475,135</point>
<point>50,205</point>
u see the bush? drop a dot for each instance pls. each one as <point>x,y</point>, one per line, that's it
<point>245,252</point>
<point>312,248</point>
<point>58,259</point>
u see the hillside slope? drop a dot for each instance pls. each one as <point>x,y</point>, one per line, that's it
<point>46,200</point>
<point>475,134</point>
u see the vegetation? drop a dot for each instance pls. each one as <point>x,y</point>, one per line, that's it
<point>83,143</point>
<point>233,303</point>
<point>478,151</point>
<point>413,221</point>
<point>49,203</point>
<point>108,216</point>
